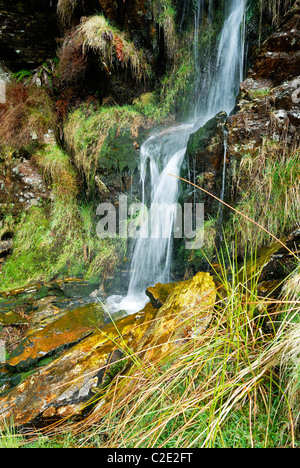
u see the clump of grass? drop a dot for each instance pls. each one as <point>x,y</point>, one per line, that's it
<point>259,93</point>
<point>111,45</point>
<point>174,95</point>
<point>65,10</point>
<point>268,187</point>
<point>291,288</point>
<point>9,437</point>
<point>62,177</point>
<point>26,116</point>
<point>164,14</point>
<point>86,131</point>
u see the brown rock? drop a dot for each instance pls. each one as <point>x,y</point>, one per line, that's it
<point>279,59</point>
<point>129,13</point>
<point>27,34</point>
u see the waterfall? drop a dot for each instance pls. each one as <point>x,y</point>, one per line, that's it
<point>230,60</point>
<point>163,153</point>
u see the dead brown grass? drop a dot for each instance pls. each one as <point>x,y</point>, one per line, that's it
<point>25,117</point>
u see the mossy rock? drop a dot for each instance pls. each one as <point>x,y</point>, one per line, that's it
<point>120,151</point>
<point>159,293</point>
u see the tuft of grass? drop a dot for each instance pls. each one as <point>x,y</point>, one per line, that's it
<point>86,132</point>
<point>269,193</point>
<point>9,437</point>
<point>25,117</point>
<point>65,10</point>
<point>60,174</point>
<point>111,45</point>
<point>259,93</point>
<point>164,14</point>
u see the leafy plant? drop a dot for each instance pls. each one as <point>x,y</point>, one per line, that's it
<point>22,74</point>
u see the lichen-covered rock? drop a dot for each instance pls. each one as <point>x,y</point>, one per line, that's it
<point>72,327</point>
<point>159,293</point>
<point>12,318</point>
<point>185,314</point>
<point>63,387</point>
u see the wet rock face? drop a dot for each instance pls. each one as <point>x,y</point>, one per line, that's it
<point>28,32</point>
<point>129,13</point>
<point>205,156</point>
<point>265,112</point>
<point>279,58</point>
<point>269,102</point>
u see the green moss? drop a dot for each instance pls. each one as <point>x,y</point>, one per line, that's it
<point>118,152</point>
<point>92,137</point>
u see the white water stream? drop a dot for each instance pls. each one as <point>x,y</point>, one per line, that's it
<point>163,153</point>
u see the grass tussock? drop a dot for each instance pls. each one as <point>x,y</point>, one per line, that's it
<point>26,115</point>
<point>111,45</point>
<point>86,131</point>
<point>164,14</point>
<point>65,10</point>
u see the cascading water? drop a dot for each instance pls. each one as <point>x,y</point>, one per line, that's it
<point>163,154</point>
